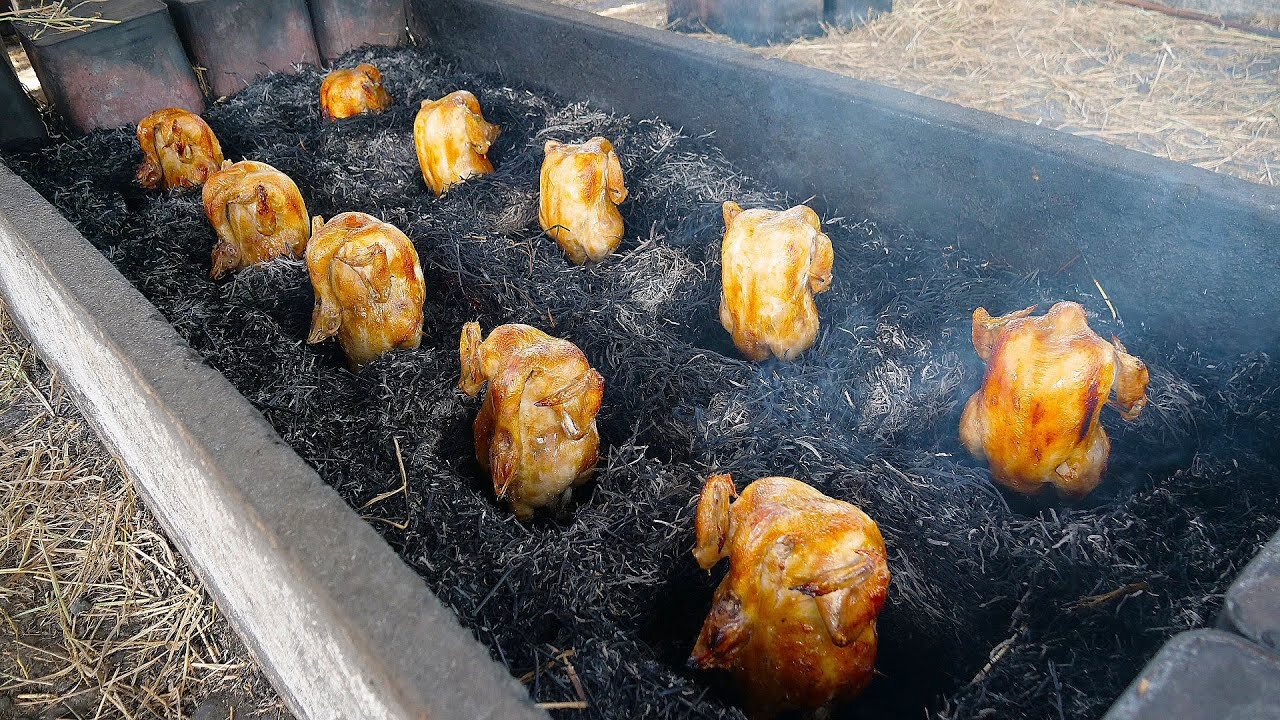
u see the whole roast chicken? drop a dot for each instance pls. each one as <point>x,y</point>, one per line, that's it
<point>368,286</point>
<point>1035,418</point>
<point>772,264</point>
<point>536,431</point>
<point>795,619</point>
<point>581,189</point>
<point>353,91</point>
<point>179,150</point>
<point>452,139</point>
<point>258,214</point>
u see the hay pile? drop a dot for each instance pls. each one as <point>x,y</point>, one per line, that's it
<point>1174,88</point>
<point>1022,611</point>
<point>99,617</point>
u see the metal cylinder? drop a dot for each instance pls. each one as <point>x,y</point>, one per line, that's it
<point>234,41</point>
<point>114,73</point>
<point>342,25</point>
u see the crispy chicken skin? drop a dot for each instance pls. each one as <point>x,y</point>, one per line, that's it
<point>581,190</point>
<point>795,618</point>
<point>353,91</point>
<point>368,285</point>
<point>1035,418</point>
<point>536,431</point>
<point>258,214</point>
<point>179,150</point>
<point>772,264</point>
<point>452,137</point>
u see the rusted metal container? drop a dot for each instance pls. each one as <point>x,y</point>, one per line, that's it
<point>234,41</point>
<point>342,25</point>
<point>116,72</point>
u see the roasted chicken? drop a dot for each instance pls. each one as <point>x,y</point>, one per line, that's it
<point>258,214</point>
<point>536,432</point>
<point>772,264</point>
<point>581,190</point>
<point>179,150</point>
<point>795,619</point>
<point>368,286</point>
<point>452,137</point>
<point>1035,418</point>
<point>353,91</point>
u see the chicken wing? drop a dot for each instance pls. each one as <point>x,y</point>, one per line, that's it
<point>179,150</point>
<point>795,618</point>
<point>258,214</point>
<point>772,264</point>
<point>581,189</point>
<point>536,431</point>
<point>353,91</point>
<point>368,285</point>
<point>1035,418</point>
<point>452,137</point>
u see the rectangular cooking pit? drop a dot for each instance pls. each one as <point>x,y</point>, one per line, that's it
<point>896,328</point>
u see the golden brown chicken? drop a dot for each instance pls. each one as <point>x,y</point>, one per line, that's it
<point>368,285</point>
<point>795,618</point>
<point>353,91</point>
<point>581,190</point>
<point>536,431</point>
<point>258,214</point>
<point>772,264</point>
<point>1035,418</point>
<point>179,150</point>
<point>452,137</point>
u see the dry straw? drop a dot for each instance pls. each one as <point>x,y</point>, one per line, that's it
<point>58,16</point>
<point>98,616</point>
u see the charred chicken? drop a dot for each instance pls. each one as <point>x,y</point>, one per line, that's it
<point>581,190</point>
<point>795,619</point>
<point>1035,418</point>
<point>368,287</point>
<point>258,214</point>
<point>536,431</point>
<point>452,139</point>
<point>179,150</point>
<point>772,264</point>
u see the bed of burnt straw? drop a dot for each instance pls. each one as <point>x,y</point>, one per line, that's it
<point>998,607</point>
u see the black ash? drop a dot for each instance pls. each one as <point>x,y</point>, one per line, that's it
<point>999,607</point>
